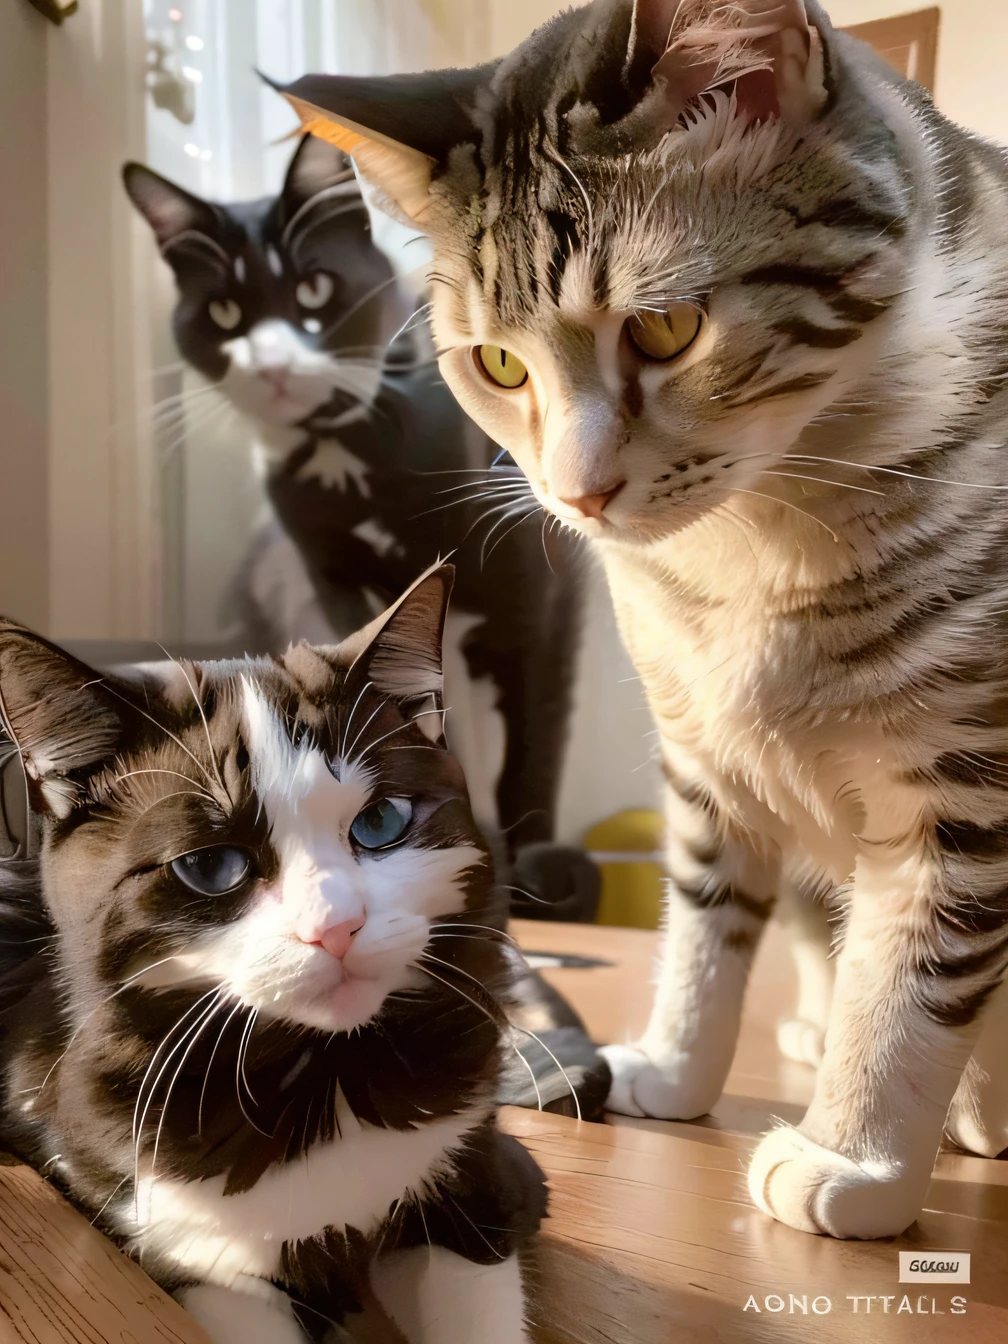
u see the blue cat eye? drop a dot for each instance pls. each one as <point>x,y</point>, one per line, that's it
<point>381,823</point>
<point>214,871</point>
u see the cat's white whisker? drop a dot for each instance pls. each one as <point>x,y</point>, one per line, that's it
<point>529,513</point>
<point>161,728</point>
<point>488,929</point>
<point>156,1055</point>
<point>901,472</point>
<point>202,713</point>
<point>133,774</point>
<point>514,1027</point>
<point>785,503</point>
<point>509,480</point>
<point>818,480</point>
<point>177,793</point>
<point>516,491</point>
<point>193,428</point>
<point>194,1036</point>
<point>139,1123</point>
<point>346,731</point>
<point>408,724</point>
<point>115,1191</point>
<point>476,1229</point>
<point>213,1054</point>
<point>240,1073</point>
<point>374,714</point>
<point>531,1074</point>
<point>107,999</point>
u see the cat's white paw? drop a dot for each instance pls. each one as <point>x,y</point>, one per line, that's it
<point>801,1041</point>
<point>640,1087</point>
<point>809,1187</point>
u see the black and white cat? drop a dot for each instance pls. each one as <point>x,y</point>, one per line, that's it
<point>250,996</point>
<point>373,472</point>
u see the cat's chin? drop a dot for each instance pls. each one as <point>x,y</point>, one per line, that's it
<point>342,1007</point>
<point>634,529</point>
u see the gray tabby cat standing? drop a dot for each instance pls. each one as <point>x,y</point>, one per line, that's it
<point>248,993</point>
<point>756,281</point>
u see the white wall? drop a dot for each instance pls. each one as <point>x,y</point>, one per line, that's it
<point>24,509</point>
<point>972,47</point>
<point>103,522</point>
<point>970,86</point>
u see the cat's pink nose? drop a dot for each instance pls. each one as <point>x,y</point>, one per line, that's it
<point>593,506</point>
<point>337,938</point>
<point>276,376</point>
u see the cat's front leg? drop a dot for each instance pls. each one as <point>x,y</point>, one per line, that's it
<point>722,886</point>
<point>912,980</point>
<point>437,1297</point>
<point>801,1036</point>
<point>978,1116</point>
<point>251,1311</point>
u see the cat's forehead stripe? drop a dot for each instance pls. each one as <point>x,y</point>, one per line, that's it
<point>282,773</point>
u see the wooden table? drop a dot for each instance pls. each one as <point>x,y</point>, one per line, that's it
<point>61,1282</point>
<point>651,1237</point>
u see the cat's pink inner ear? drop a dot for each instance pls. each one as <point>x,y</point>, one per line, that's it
<point>765,49</point>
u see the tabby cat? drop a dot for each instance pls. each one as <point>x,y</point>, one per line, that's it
<point>749,283</point>
<point>372,472</point>
<point>250,1022</point>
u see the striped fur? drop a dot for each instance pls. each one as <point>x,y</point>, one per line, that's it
<point>256,1120</point>
<point>807,550</point>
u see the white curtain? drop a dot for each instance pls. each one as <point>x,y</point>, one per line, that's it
<point>230,148</point>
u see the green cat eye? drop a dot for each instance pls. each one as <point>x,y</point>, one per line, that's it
<point>214,871</point>
<point>663,335</point>
<point>501,366</point>
<point>381,823</point>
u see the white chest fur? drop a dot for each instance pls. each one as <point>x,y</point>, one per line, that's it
<point>746,701</point>
<point>349,1182</point>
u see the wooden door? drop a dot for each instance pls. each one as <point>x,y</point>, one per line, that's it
<point>909,42</point>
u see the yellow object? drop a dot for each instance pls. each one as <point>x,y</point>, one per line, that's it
<point>627,849</point>
<point>316,123</point>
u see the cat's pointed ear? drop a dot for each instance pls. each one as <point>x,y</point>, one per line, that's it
<point>169,210</point>
<point>651,31</point>
<point>767,50</point>
<point>402,647</point>
<point>57,712</point>
<point>400,651</point>
<point>316,166</point>
<point>399,129</point>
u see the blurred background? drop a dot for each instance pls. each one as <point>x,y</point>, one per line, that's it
<point>122,522</point>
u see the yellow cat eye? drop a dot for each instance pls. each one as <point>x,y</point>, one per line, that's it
<point>663,335</point>
<point>501,366</point>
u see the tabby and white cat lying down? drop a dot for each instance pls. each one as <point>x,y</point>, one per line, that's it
<point>756,282</point>
<point>250,1022</point>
